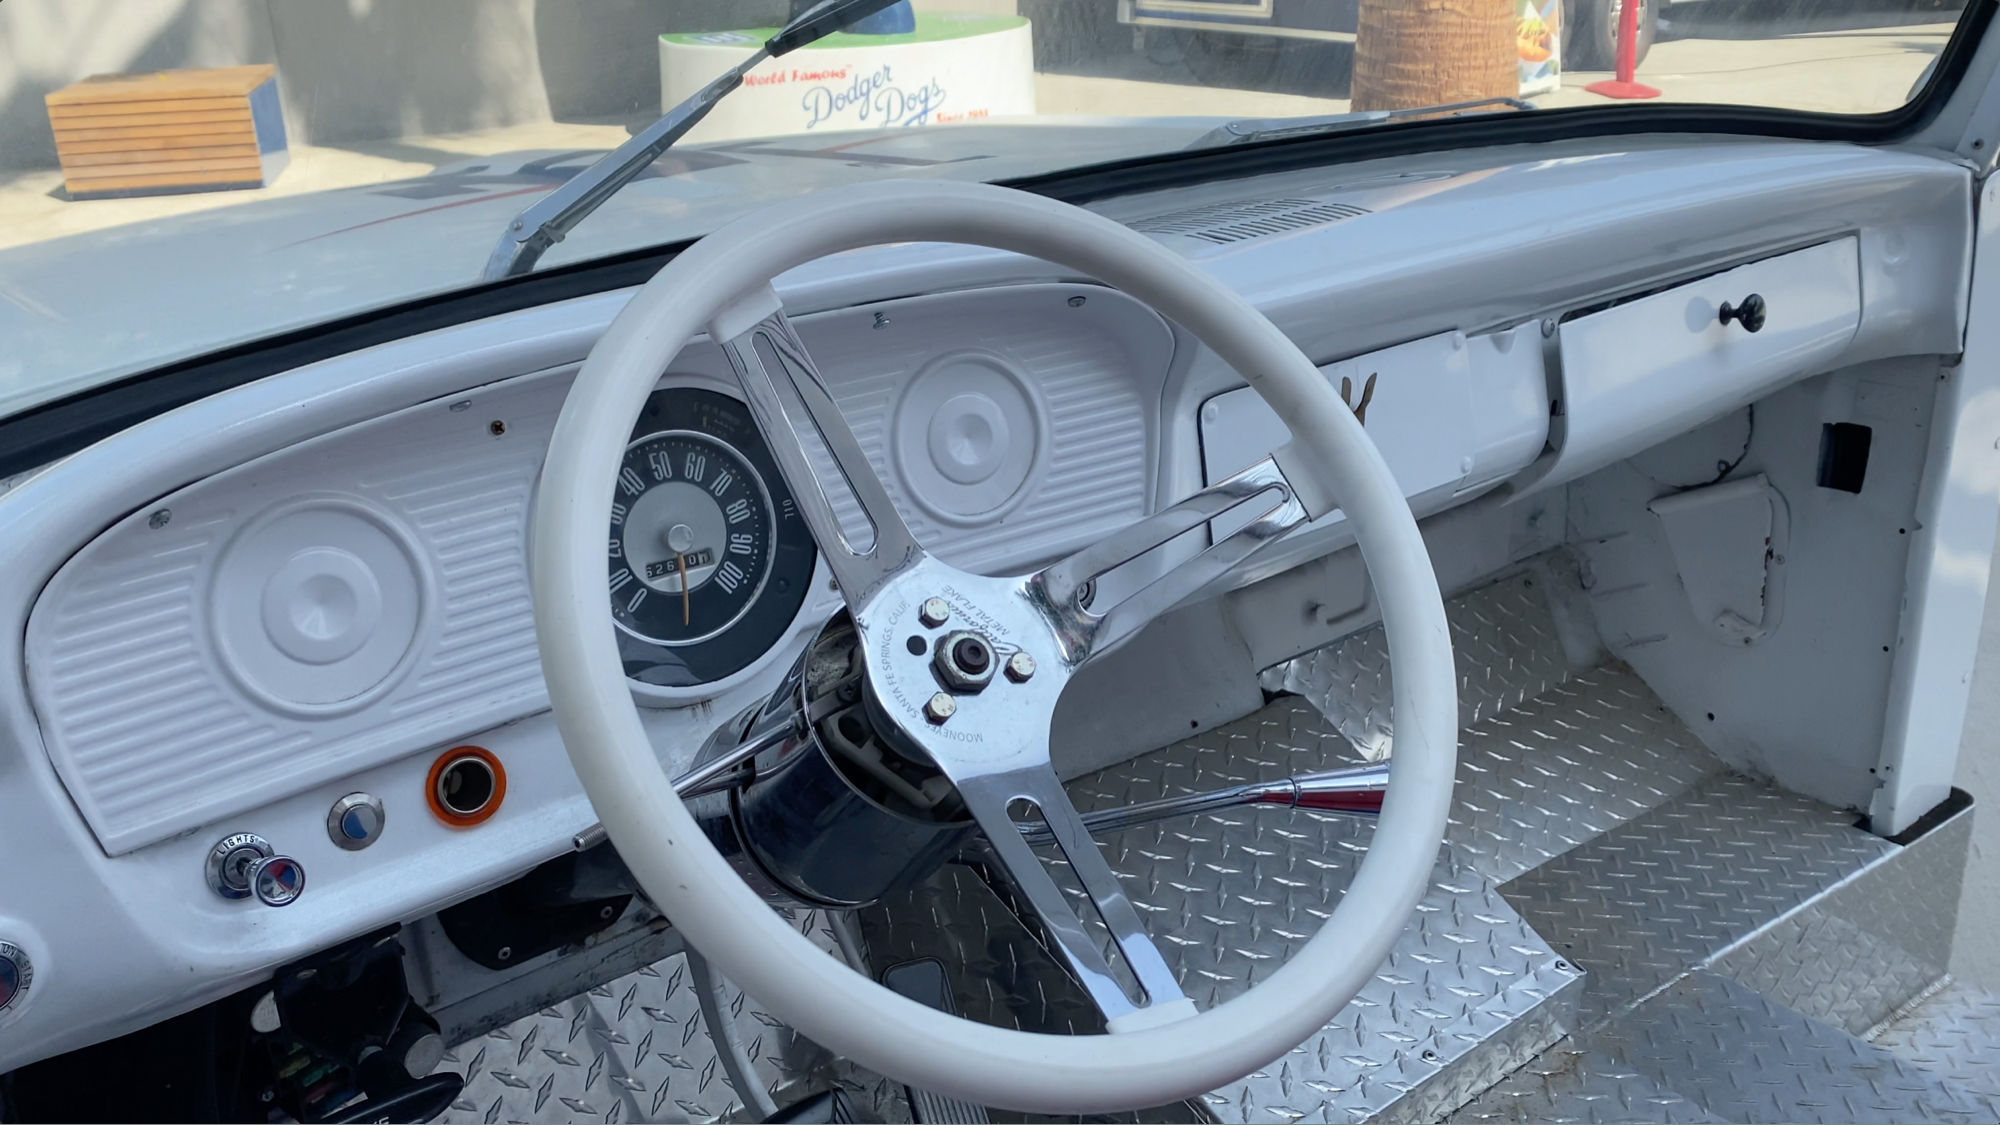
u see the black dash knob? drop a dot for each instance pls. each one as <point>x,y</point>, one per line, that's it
<point>1750,314</point>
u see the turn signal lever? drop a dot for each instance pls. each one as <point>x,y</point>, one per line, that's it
<point>829,778</point>
<point>1357,791</point>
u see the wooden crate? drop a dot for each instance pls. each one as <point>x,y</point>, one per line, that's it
<point>172,131</point>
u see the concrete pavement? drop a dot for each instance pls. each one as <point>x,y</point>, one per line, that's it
<point>1857,62</point>
<point>33,206</point>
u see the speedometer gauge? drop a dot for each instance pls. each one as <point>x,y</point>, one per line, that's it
<point>708,559</point>
<point>694,526</point>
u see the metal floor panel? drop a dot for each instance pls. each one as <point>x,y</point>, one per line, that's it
<point>1669,891</point>
<point>1953,1034</point>
<point>1503,639</point>
<point>1550,755</point>
<point>1579,760</point>
<point>1707,1048</point>
<point>1569,1084</point>
<point>1699,923</point>
<point>630,1050</point>
<point>1468,993</point>
<point>1855,955</point>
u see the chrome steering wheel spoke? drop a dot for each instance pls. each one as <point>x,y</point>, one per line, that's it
<point>987,731</point>
<point>794,410</point>
<point>990,798</point>
<point>1260,492</point>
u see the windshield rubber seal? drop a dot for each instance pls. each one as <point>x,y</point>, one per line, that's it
<point>1162,171</point>
<point>55,429</point>
<point>45,433</point>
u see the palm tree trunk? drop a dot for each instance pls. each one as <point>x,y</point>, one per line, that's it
<point>1414,53</point>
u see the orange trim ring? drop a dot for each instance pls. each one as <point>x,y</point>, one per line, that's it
<point>457,782</point>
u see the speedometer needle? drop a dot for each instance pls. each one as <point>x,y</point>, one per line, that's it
<point>680,561</point>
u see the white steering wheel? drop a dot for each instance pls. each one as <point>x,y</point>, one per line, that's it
<point>995,748</point>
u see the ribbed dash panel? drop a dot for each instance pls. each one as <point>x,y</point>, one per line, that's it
<point>1092,479</point>
<point>143,719</point>
<point>154,732</point>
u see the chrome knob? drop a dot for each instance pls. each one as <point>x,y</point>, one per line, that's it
<point>278,880</point>
<point>230,860</point>
<point>245,865</point>
<point>17,973</point>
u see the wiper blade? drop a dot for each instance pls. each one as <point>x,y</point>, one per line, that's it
<point>546,221</point>
<point>549,219</point>
<point>1247,129</point>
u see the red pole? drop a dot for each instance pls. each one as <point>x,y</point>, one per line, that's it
<point>1628,58</point>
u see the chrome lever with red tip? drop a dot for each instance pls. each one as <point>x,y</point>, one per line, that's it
<point>1356,791</point>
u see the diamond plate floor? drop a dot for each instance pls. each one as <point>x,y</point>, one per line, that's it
<point>630,1050</point>
<point>1699,923</point>
<point>1590,834</point>
<point>1584,757</point>
<point>1953,1034</point>
<point>1549,755</point>
<point>1709,1049</point>
<point>1502,637</point>
<point>1858,953</point>
<point>1230,895</point>
<point>1667,892</point>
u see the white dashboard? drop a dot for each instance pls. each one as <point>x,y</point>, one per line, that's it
<point>356,598</point>
<point>239,613</point>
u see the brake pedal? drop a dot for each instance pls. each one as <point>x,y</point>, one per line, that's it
<point>924,981</point>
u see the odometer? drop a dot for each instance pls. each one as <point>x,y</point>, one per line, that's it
<point>708,560</point>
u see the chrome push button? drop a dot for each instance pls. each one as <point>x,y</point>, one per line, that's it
<point>355,821</point>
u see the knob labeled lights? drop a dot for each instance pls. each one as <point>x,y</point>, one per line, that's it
<point>278,880</point>
<point>245,866</point>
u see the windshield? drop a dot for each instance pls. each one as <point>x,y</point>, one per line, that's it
<point>190,176</point>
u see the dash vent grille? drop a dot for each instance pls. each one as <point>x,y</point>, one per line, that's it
<point>1238,222</point>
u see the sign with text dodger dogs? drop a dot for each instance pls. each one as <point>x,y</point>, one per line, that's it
<point>952,68</point>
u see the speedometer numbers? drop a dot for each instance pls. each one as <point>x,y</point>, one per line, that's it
<point>708,559</point>
<point>690,538</point>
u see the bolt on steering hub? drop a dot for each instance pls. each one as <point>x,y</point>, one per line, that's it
<point>965,661</point>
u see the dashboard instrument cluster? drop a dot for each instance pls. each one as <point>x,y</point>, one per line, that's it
<point>709,560</point>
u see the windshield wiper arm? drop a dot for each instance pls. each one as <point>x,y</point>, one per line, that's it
<point>546,221</point>
<point>1247,129</point>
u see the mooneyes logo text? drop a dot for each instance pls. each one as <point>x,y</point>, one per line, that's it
<point>872,99</point>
